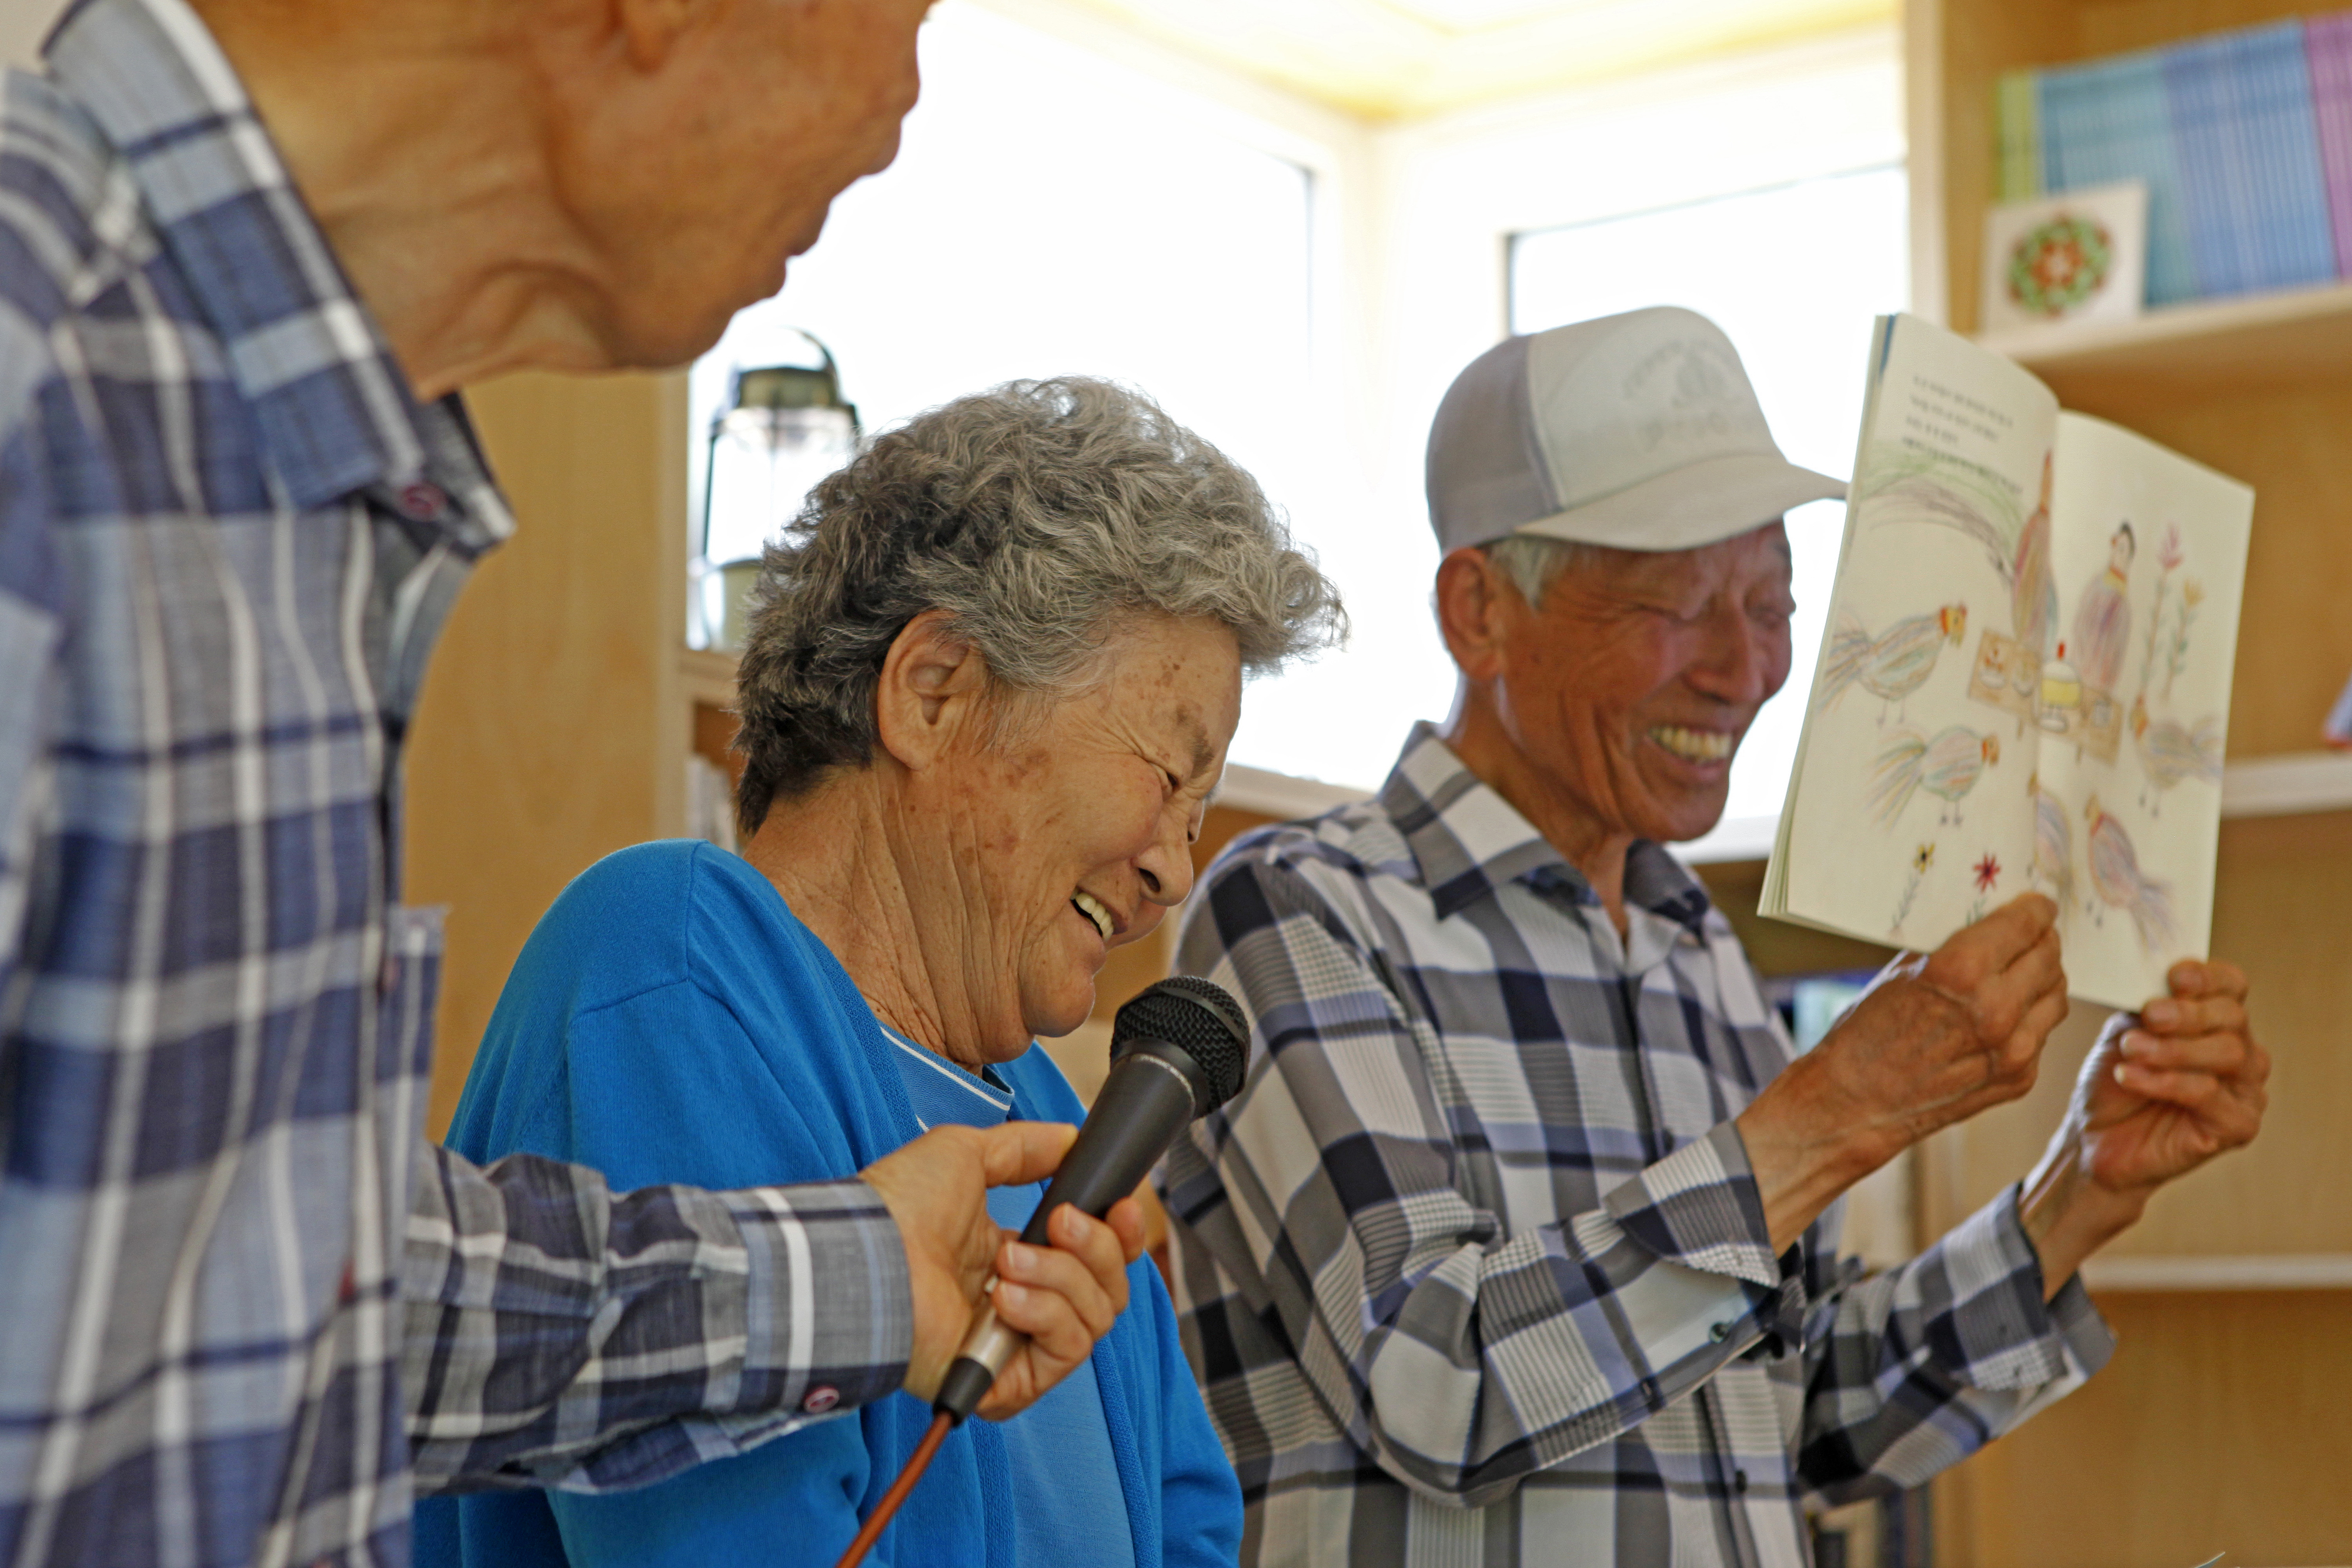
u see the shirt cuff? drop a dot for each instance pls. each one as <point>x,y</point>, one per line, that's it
<point>2008,1338</point>
<point>1700,1206</point>
<point>829,1322</point>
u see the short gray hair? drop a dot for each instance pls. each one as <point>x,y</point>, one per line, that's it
<point>1533,563</point>
<point>1033,514</point>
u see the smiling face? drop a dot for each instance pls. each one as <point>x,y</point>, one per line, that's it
<point>1618,702</point>
<point>1065,828</point>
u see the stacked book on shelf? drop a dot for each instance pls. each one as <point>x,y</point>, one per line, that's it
<point>2244,139</point>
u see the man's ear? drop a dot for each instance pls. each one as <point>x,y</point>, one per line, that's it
<point>932,685</point>
<point>1476,605</point>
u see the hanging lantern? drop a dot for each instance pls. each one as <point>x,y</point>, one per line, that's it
<point>781,429</point>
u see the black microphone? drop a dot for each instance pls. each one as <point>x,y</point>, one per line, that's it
<point>1177,1052</point>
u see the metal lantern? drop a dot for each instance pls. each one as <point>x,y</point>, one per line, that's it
<point>781,429</point>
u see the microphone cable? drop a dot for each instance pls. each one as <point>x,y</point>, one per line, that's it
<point>912,1471</point>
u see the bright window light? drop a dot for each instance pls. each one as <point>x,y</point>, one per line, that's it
<point>1051,212</point>
<point>1794,273</point>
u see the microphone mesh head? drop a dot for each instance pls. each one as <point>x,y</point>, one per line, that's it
<point>1196,1017</point>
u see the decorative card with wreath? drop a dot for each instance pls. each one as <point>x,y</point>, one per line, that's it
<point>2080,256</point>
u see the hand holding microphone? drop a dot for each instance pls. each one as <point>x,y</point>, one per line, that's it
<point>1178,1051</point>
<point>1070,1293</point>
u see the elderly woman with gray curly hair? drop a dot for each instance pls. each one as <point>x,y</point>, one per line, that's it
<point>992,673</point>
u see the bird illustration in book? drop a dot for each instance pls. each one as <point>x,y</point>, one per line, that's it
<point>2053,843</point>
<point>2171,751</point>
<point>1897,663</point>
<point>1906,486</point>
<point>2103,617</point>
<point>2117,881</point>
<point>1946,764</point>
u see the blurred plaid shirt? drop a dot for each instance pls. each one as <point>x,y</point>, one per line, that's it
<point>1474,1271</point>
<point>229,537</point>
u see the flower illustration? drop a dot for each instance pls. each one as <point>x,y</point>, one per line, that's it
<point>1988,873</point>
<point>1921,859</point>
<point>2192,593</point>
<point>2167,554</point>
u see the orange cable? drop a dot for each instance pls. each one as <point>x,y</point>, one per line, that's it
<point>879,1520</point>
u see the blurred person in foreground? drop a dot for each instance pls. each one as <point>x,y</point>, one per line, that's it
<point>249,249</point>
<point>988,688</point>
<point>1518,1244</point>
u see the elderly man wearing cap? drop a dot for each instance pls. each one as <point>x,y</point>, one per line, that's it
<point>1520,1245</point>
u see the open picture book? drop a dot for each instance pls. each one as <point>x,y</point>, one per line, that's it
<point>2024,682</point>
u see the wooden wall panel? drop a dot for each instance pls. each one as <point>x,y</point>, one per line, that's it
<point>2221,1426</point>
<point>549,733</point>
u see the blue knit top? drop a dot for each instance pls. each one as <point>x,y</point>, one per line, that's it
<point>671,1021</point>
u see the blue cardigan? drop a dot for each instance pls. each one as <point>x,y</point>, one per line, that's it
<point>671,1021</point>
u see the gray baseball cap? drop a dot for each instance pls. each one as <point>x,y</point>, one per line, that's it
<point>1637,430</point>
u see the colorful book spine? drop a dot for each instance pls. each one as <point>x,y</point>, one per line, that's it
<point>2108,120</point>
<point>2299,247</point>
<point>2254,199</point>
<point>2196,99</point>
<point>2328,42</point>
<point>2243,138</point>
<point>2019,177</point>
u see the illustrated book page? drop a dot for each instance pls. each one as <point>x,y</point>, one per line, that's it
<point>2149,553</point>
<point>2024,679</point>
<point>1910,810</point>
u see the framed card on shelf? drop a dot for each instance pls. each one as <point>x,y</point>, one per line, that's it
<point>2079,257</point>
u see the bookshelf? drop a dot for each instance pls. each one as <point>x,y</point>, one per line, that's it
<point>2215,1425</point>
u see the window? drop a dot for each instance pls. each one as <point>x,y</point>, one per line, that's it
<point>1300,288</point>
<point>1051,212</point>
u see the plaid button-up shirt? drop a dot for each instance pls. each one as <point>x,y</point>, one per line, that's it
<point>1473,1269</point>
<point>229,537</point>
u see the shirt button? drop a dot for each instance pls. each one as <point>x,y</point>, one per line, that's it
<point>423,502</point>
<point>821,1399</point>
<point>1719,1332</point>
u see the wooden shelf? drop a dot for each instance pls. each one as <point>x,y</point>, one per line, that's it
<point>1281,796</point>
<point>2298,782</point>
<point>2261,1272</point>
<point>1732,839</point>
<point>2292,339</point>
<point>707,676</point>
<point>2284,785</point>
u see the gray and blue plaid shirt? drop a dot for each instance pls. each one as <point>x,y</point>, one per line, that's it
<point>1474,1271</point>
<point>229,537</point>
